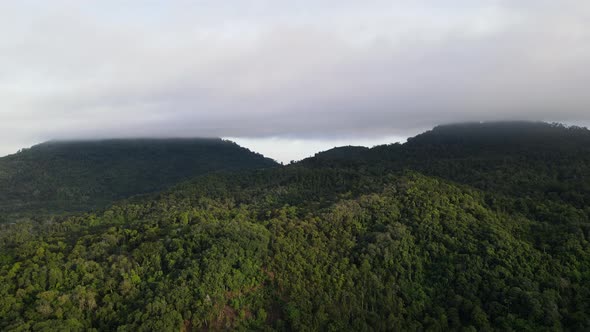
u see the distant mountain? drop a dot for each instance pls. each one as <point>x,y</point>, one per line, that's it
<point>474,139</point>
<point>468,139</point>
<point>528,158</point>
<point>343,152</point>
<point>79,175</point>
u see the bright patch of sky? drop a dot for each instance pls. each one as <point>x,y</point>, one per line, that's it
<point>286,150</point>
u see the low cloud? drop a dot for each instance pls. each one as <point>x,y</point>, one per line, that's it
<point>300,70</point>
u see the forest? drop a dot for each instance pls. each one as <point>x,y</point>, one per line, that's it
<point>57,177</point>
<point>466,227</point>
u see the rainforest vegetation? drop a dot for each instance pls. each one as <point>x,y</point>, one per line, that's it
<point>471,227</point>
<point>68,176</point>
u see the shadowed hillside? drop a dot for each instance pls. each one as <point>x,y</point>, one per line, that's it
<point>79,175</point>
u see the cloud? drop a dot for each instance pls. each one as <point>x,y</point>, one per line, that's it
<point>324,70</point>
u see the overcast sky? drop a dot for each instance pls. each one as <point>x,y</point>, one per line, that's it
<point>286,78</point>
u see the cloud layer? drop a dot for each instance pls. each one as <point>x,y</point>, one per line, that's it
<point>292,69</point>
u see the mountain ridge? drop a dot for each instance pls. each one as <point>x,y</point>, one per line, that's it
<point>82,174</point>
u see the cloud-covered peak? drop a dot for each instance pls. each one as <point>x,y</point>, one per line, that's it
<point>304,69</point>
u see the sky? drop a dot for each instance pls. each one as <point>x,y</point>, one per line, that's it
<point>286,78</point>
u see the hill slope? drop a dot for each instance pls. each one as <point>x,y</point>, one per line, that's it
<point>355,243</point>
<point>531,159</point>
<point>66,176</point>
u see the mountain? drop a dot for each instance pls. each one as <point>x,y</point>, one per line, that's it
<point>342,153</point>
<point>456,229</point>
<point>543,160</point>
<point>79,175</point>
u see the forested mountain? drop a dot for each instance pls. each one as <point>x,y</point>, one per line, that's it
<point>518,158</point>
<point>466,227</point>
<point>80,175</point>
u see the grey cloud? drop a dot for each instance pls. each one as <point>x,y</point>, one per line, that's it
<point>292,69</point>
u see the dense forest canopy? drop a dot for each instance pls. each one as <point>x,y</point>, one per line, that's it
<point>548,161</point>
<point>62,176</point>
<point>465,227</point>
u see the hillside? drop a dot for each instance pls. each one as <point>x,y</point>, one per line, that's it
<point>531,159</point>
<point>80,175</point>
<point>449,231</point>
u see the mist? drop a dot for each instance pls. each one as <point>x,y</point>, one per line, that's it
<point>265,72</point>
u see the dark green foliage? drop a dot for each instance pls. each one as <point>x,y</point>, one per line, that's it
<point>335,243</point>
<point>540,160</point>
<point>70,176</point>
